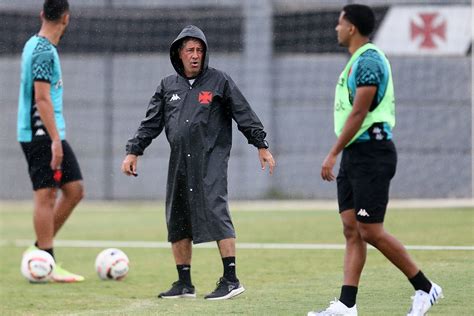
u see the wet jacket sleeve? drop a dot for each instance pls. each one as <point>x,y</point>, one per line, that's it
<point>247,121</point>
<point>150,127</point>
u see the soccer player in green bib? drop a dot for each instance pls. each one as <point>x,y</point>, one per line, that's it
<point>364,116</point>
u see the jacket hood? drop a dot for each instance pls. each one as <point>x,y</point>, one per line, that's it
<point>188,31</point>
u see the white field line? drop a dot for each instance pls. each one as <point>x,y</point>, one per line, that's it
<point>250,206</point>
<point>242,245</point>
<point>137,307</point>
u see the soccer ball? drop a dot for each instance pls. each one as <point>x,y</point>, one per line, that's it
<point>112,264</point>
<point>37,266</point>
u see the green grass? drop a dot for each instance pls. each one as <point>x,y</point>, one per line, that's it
<point>278,282</point>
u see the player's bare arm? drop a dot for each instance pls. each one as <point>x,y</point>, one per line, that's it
<point>362,102</point>
<point>46,112</point>
<point>266,157</point>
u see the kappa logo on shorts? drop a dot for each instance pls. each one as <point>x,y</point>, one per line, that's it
<point>363,212</point>
<point>40,132</point>
<point>205,97</point>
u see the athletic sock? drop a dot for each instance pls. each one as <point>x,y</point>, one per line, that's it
<point>229,269</point>
<point>184,273</point>
<point>48,250</point>
<point>420,282</point>
<point>348,295</point>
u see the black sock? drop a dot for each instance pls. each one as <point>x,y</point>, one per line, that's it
<point>49,250</point>
<point>229,269</point>
<point>420,282</point>
<point>184,273</point>
<point>348,295</point>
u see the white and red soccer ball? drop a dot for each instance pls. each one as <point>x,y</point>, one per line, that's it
<point>112,264</point>
<point>37,266</point>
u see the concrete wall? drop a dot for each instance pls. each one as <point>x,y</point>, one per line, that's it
<point>433,132</point>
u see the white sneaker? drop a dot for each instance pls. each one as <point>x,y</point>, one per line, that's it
<point>423,301</point>
<point>336,308</point>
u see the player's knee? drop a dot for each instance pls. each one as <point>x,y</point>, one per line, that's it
<point>370,236</point>
<point>350,232</point>
<point>80,193</point>
<point>76,193</point>
<point>45,197</point>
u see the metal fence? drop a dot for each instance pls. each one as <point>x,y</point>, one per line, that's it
<point>284,57</point>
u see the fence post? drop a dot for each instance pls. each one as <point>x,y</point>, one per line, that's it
<point>257,62</point>
<point>108,158</point>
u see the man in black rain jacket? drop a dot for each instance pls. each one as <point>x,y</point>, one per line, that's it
<point>196,107</point>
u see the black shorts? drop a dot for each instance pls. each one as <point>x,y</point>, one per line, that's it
<point>364,178</point>
<point>38,156</point>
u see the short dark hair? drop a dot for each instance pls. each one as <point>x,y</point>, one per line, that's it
<point>189,38</point>
<point>361,16</point>
<point>54,9</point>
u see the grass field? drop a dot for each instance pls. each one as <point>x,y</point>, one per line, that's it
<point>278,281</point>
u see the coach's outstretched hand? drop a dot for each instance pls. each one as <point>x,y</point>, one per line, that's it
<point>129,165</point>
<point>265,157</point>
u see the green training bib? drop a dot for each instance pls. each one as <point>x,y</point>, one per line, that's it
<point>384,112</point>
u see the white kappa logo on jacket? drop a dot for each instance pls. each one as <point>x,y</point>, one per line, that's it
<point>175,97</point>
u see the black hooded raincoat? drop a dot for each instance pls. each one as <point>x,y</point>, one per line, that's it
<point>197,120</point>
